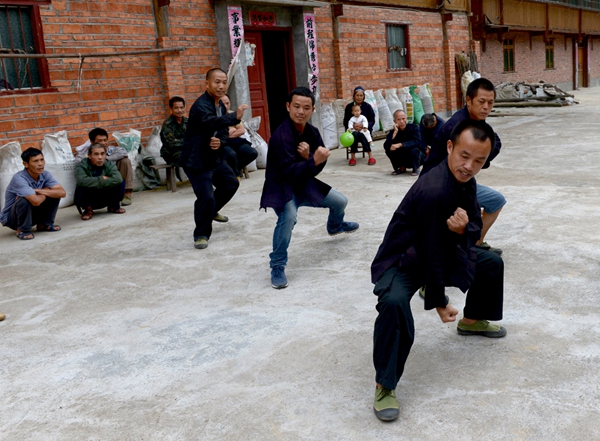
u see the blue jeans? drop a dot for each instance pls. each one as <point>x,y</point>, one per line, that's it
<point>286,219</point>
<point>489,199</point>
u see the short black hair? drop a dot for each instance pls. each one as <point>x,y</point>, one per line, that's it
<point>428,120</point>
<point>176,99</point>
<point>210,73</point>
<point>95,132</point>
<point>30,153</point>
<point>480,83</point>
<point>480,130</point>
<point>399,110</point>
<point>96,145</point>
<point>302,91</point>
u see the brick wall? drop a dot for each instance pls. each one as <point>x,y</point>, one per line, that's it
<point>530,62</point>
<point>116,93</point>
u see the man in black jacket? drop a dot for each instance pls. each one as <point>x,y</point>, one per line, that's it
<point>431,241</point>
<point>203,155</point>
<point>296,155</point>
<point>403,145</point>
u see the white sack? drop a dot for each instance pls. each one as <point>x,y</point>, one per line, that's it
<point>370,98</point>
<point>329,124</point>
<point>10,163</point>
<point>385,116</point>
<point>61,163</point>
<point>407,104</point>
<point>130,141</point>
<point>258,143</point>
<point>426,98</point>
<point>391,98</point>
<point>466,79</point>
<point>339,107</point>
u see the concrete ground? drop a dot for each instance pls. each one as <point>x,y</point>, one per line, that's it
<point>118,329</point>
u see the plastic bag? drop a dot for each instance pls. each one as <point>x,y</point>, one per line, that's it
<point>391,98</point>
<point>328,121</point>
<point>10,163</point>
<point>418,111</point>
<point>407,103</point>
<point>370,98</point>
<point>130,141</point>
<point>258,143</point>
<point>385,116</point>
<point>61,163</point>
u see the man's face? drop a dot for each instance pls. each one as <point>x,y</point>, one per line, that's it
<point>217,84</point>
<point>481,106</point>
<point>226,102</point>
<point>178,109</point>
<point>97,156</point>
<point>36,164</point>
<point>467,156</point>
<point>101,139</point>
<point>356,111</point>
<point>400,120</point>
<point>300,109</point>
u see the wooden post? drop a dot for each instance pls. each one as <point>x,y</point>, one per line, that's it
<point>161,18</point>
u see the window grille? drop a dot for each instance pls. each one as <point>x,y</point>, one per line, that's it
<point>397,46</point>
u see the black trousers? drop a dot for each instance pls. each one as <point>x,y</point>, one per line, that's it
<point>404,157</point>
<point>240,153</point>
<point>23,215</point>
<point>360,137</point>
<point>97,198</point>
<point>210,200</point>
<point>394,327</point>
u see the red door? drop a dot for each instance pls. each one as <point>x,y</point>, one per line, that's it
<point>258,88</point>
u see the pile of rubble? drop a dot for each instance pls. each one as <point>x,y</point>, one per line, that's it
<point>524,94</point>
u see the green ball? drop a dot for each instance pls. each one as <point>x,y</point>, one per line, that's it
<point>346,139</point>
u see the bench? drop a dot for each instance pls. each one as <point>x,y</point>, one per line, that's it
<point>171,182</point>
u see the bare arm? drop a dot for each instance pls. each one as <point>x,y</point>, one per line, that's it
<point>55,192</point>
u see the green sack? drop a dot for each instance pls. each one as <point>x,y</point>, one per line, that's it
<point>417,105</point>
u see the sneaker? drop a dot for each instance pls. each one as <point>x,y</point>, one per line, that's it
<point>352,162</point>
<point>415,173</point>
<point>346,227</point>
<point>221,218</point>
<point>386,406</point>
<point>481,327</point>
<point>422,294</point>
<point>487,247</point>
<point>126,200</point>
<point>201,243</point>
<point>372,161</point>
<point>278,279</point>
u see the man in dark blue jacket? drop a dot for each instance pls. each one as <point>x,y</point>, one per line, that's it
<point>403,145</point>
<point>430,126</point>
<point>296,155</point>
<point>203,155</point>
<point>431,241</point>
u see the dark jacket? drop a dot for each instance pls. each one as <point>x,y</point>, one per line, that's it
<point>439,150</point>
<point>418,236</point>
<point>410,138</point>
<point>203,123</point>
<point>289,173</point>
<point>365,109</point>
<point>84,175</point>
<point>172,135</point>
<point>428,136</point>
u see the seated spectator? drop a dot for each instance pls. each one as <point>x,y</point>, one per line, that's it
<point>239,150</point>
<point>403,145</point>
<point>32,197</point>
<point>119,156</point>
<point>99,183</point>
<point>172,133</point>
<point>430,126</point>
<point>367,111</point>
<point>360,130</point>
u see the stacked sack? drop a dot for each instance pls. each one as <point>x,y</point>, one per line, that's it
<point>61,163</point>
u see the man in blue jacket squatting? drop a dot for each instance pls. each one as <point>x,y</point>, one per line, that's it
<point>431,241</point>
<point>296,155</point>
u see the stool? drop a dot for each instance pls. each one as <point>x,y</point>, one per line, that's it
<point>171,182</point>
<point>360,149</point>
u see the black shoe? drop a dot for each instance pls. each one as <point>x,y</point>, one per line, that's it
<point>487,247</point>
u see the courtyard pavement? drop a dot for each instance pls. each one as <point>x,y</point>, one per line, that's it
<point>118,329</point>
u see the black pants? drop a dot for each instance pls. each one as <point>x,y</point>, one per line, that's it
<point>97,198</point>
<point>23,215</point>
<point>208,200</point>
<point>239,154</point>
<point>394,327</point>
<point>360,137</point>
<point>404,157</point>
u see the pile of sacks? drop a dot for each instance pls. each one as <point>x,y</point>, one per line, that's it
<point>414,100</point>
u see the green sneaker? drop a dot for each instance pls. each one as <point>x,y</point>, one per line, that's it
<point>481,327</point>
<point>220,218</point>
<point>201,243</point>
<point>386,405</point>
<point>126,200</point>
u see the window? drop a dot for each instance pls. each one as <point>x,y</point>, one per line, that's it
<point>509,55</point>
<point>21,33</point>
<point>397,46</point>
<point>550,55</point>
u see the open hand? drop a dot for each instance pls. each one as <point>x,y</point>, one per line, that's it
<point>240,110</point>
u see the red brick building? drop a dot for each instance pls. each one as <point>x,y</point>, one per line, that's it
<point>115,63</point>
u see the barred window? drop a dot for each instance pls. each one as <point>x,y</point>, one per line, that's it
<point>550,55</point>
<point>21,33</point>
<point>509,55</point>
<point>397,46</point>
